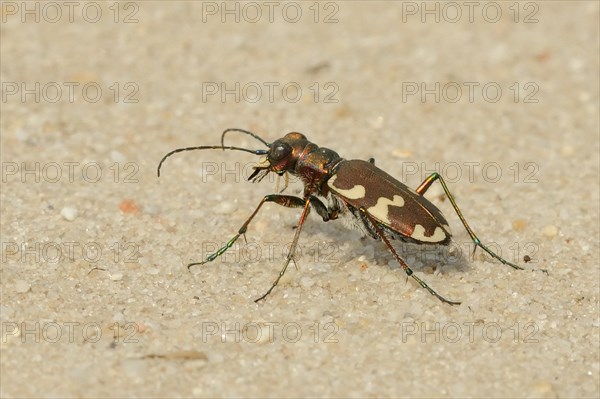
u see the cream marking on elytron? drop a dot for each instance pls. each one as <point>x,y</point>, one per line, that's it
<point>419,234</point>
<point>355,192</point>
<point>381,208</point>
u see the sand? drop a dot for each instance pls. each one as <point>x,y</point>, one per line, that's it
<point>96,298</point>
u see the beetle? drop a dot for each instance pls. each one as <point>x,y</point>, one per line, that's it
<point>384,207</point>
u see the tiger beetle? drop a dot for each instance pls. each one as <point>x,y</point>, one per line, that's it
<point>384,207</point>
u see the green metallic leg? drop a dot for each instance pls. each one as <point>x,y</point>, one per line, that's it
<point>291,252</point>
<point>284,200</point>
<point>401,261</point>
<point>423,188</point>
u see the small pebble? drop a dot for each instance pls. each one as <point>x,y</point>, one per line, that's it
<point>116,276</point>
<point>151,209</point>
<point>128,206</point>
<point>225,207</point>
<point>567,150</point>
<point>519,225</point>
<point>402,153</point>
<point>544,389</point>
<point>22,286</point>
<point>118,317</point>
<point>116,156</point>
<point>69,213</point>
<point>152,271</point>
<point>563,272</point>
<point>550,231</point>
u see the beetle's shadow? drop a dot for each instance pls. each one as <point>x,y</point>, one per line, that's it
<point>426,259</point>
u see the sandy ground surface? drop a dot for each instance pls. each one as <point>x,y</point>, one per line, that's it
<point>96,300</point>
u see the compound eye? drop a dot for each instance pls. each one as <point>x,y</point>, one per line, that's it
<point>280,151</point>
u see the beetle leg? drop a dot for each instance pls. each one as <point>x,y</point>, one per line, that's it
<point>286,182</point>
<point>326,213</point>
<point>407,269</point>
<point>283,200</point>
<point>423,188</point>
<point>291,252</point>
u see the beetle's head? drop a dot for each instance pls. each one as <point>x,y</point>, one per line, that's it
<point>281,156</point>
